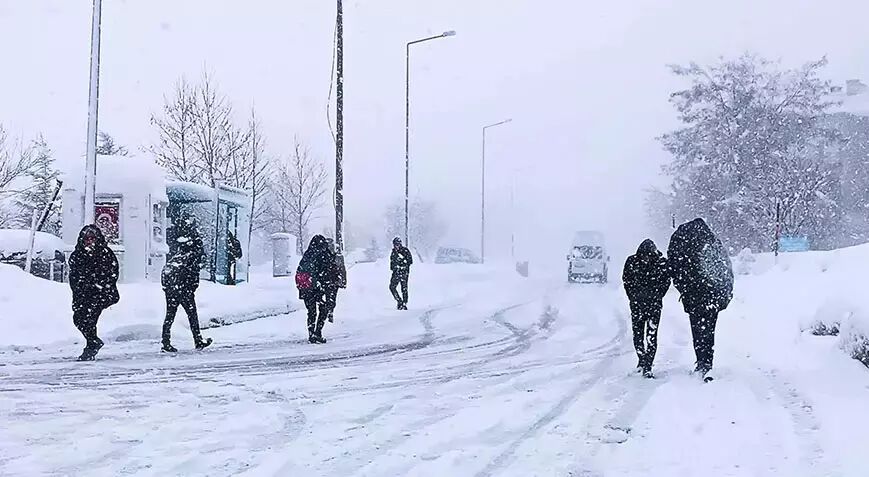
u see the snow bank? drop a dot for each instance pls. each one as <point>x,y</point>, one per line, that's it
<point>825,294</point>
<point>36,312</point>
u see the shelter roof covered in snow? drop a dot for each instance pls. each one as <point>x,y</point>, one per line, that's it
<point>123,174</point>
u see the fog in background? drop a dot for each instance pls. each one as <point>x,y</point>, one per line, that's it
<point>585,83</point>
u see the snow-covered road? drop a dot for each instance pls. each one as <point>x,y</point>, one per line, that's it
<point>515,380</point>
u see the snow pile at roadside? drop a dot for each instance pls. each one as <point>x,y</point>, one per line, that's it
<point>36,311</point>
<point>823,292</point>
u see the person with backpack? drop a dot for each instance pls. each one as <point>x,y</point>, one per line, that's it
<point>93,278</point>
<point>646,279</point>
<point>399,262</point>
<point>315,275</point>
<point>180,279</point>
<point>703,274</point>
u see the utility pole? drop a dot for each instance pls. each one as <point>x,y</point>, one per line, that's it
<point>339,141</point>
<point>90,178</point>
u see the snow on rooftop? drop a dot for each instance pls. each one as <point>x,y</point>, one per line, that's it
<point>122,174</point>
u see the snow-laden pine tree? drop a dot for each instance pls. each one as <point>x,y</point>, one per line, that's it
<point>753,142</point>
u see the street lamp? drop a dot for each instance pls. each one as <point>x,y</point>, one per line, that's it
<point>483,192</point>
<point>445,34</point>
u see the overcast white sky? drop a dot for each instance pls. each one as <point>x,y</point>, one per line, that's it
<point>584,81</point>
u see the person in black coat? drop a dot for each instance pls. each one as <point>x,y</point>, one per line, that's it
<point>233,255</point>
<point>180,279</point>
<point>314,276</point>
<point>93,278</point>
<point>703,274</point>
<point>332,286</point>
<point>399,262</point>
<point>646,279</point>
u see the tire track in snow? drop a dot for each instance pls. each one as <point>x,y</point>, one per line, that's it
<point>585,384</point>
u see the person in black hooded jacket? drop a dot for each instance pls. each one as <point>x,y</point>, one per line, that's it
<point>180,280</point>
<point>400,261</point>
<point>703,274</point>
<point>646,279</point>
<point>315,275</point>
<point>93,278</point>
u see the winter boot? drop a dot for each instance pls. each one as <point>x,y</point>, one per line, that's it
<point>88,354</point>
<point>202,344</point>
<point>168,348</point>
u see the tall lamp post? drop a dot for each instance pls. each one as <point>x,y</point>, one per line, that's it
<point>445,34</point>
<point>483,192</point>
<point>90,176</point>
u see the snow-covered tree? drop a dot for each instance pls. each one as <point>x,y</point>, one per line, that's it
<point>106,146</point>
<point>427,227</point>
<point>42,191</point>
<point>27,180</point>
<point>753,142</point>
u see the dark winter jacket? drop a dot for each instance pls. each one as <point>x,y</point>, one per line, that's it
<point>400,260</point>
<point>646,276</point>
<point>700,267</point>
<point>317,270</point>
<point>234,250</point>
<point>93,272</point>
<point>187,255</point>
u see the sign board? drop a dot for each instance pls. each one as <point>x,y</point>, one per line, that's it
<point>793,244</point>
<point>107,217</point>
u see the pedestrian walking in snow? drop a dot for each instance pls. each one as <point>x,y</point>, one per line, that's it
<point>703,274</point>
<point>315,275</point>
<point>93,278</point>
<point>646,279</point>
<point>399,262</point>
<point>338,279</point>
<point>180,279</point>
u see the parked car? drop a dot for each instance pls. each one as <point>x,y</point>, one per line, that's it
<point>456,255</point>
<point>49,261</point>
<point>588,259</point>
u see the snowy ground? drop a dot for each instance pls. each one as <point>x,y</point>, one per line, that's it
<point>487,375</point>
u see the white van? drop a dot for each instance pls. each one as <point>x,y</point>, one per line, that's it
<point>588,259</point>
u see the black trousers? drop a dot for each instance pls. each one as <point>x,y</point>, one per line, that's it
<point>331,300</point>
<point>703,321</point>
<point>186,300</point>
<point>399,279</point>
<point>85,318</point>
<point>318,311</point>
<point>645,318</point>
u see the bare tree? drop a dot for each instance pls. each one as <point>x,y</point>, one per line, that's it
<point>174,151</point>
<point>250,171</point>
<point>16,164</point>
<point>296,192</point>
<point>217,140</point>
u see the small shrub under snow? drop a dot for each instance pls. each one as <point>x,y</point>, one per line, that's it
<point>854,337</point>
